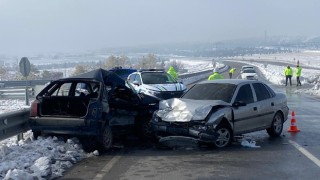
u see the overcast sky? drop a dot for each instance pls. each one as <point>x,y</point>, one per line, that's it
<point>35,26</point>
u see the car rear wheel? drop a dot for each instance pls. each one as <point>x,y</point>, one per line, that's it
<point>107,138</point>
<point>224,136</point>
<point>276,126</point>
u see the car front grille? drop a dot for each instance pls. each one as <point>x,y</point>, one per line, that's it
<point>170,94</point>
<point>250,77</point>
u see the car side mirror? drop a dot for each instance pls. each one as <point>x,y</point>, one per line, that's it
<point>136,83</point>
<point>239,103</point>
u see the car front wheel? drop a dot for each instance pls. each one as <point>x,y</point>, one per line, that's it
<point>224,136</point>
<point>276,126</point>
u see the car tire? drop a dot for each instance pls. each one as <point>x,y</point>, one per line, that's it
<point>89,143</point>
<point>276,126</point>
<point>224,136</point>
<point>146,130</point>
<point>36,134</point>
<point>107,138</point>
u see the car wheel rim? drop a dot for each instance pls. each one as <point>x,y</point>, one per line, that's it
<point>223,137</point>
<point>107,138</point>
<point>277,125</point>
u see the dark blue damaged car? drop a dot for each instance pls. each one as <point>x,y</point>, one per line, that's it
<point>96,106</point>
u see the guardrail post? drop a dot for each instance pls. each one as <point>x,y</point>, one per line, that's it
<point>19,137</point>
<point>27,93</point>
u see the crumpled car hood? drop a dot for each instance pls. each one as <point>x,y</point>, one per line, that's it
<point>185,110</point>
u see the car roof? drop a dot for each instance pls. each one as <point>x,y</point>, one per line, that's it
<point>123,72</point>
<point>228,81</point>
<point>151,70</point>
<point>100,75</point>
<point>249,69</point>
<point>247,66</point>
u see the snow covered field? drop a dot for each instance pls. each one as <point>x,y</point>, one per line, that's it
<point>48,158</point>
<point>306,58</point>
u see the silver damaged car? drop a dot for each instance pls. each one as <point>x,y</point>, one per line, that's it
<point>216,111</point>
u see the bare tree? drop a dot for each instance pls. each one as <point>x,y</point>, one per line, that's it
<point>177,65</point>
<point>147,62</point>
<point>79,69</point>
<point>3,72</point>
<point>116,61</point>
<point>49,75</point>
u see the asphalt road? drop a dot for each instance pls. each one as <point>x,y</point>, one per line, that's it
<point>292,156</point>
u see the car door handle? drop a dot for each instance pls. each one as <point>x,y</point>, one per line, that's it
<point>255,108</point>
<point>272,104</point>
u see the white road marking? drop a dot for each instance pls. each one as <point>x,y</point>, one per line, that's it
<point>107,168</point>
<point>306,153</point>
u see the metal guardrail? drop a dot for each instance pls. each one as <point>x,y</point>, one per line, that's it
<point>15,92</point>
<point>13,123</point>
<point>16,122</point>
<point>184,76</point>
<point>23,83</point>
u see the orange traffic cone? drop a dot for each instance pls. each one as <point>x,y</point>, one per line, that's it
<point>293,127</point>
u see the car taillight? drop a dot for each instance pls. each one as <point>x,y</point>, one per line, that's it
<point>34,108</point>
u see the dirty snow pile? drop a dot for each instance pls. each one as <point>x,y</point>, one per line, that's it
<point>45,158</point>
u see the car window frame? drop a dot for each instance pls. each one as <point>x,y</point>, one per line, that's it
<point>132,77</point>
<point>139,79</point>
<point>257,91</point>
<point>238,89</point>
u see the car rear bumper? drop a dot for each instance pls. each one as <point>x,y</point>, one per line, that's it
<point>70,126</point>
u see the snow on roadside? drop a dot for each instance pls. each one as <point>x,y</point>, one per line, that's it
<point>12,105</point>
<point>274,74</point>
<point>44,158</point>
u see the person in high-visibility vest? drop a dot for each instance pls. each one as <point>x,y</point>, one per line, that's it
<point>173,73</point>
<point>215,75</point>
<point>231,71</point>
<point>288,74</point>
<point>298,74</point>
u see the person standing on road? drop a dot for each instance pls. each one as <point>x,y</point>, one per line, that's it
<point>298,74</point>
<point>215,75</point>
<point>231,72</point>
<point>173,73</point>
<point>288,74</point>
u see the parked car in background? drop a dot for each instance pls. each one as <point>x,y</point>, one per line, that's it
<point>249,74</point>
<point>216,111</point>
<point>156,83</point>
<point>123,72</point>
<point>96,106</point>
